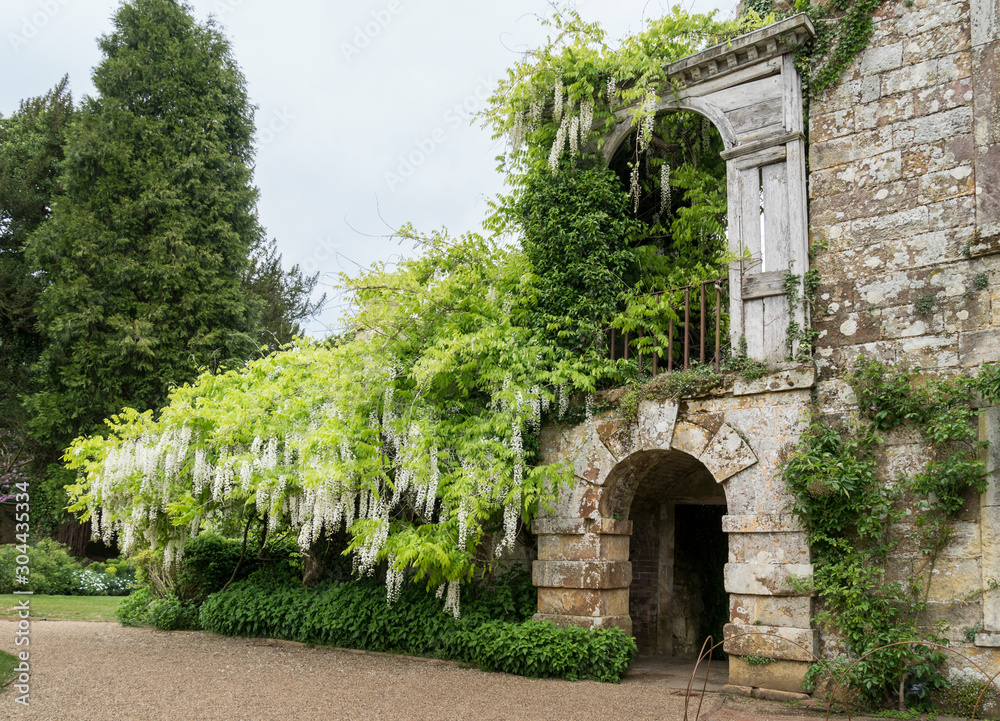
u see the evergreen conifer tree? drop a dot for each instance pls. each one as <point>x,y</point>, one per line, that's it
<point>143,257</point>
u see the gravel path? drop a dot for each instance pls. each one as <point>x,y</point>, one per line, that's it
<point>102,671</point>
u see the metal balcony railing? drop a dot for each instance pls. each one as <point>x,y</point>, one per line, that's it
<point>681,326</point>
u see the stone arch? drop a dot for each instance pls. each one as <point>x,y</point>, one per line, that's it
<point>670,104</point>
<point>751,92</point>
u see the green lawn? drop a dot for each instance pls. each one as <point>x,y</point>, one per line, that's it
<point>7,665</point>
<point>70,608</point>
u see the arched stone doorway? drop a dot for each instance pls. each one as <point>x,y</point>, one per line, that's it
<point>677,549</point>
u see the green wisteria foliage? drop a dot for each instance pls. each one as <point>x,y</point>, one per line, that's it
<point>412,435</point>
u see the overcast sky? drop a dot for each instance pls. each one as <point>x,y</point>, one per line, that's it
<point>364,107</point>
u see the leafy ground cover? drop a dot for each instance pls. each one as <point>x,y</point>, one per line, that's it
<point>66,608</point>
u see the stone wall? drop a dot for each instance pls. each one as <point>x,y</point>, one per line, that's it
<point>904,206</point>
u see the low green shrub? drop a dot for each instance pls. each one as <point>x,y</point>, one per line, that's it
<point>354,614</point>
<point>208,563</point>
<point>51,568</point>
<point>134,609</point>
<point>167,613</point>
<point>540,648</point>
<point>172,614</point>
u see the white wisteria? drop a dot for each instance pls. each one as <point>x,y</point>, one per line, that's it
<point>364,438</point>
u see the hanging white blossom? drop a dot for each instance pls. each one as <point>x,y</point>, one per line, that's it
<point>463,523</point>
<point>586,120</point>
<point>612,88</point>
<point>665,188</point>
<point>558,144</point>
<point>574,135</point>
<point>557,100</point>
<point>452,601</point>
<point>393,581</point>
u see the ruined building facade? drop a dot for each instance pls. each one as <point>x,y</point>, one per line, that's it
<point>892,193</point>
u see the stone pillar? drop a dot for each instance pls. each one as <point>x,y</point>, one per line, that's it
<point>764,552</point>
<point>583,572</point>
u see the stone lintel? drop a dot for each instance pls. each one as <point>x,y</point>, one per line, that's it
<point>765,579</point>
<point>581,574</point>
<point>587,602</point>
<point>799,377</point>
<point>762,523</point>
<point>777,642</point>
<point>564,621</point>
<point>775,39</point>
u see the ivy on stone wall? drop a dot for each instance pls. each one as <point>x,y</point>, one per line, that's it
<point>853,514</point>
<point>843,30</point>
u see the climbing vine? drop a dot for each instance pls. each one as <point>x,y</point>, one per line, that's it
<point>843,30</point>
<point>801,290</point>
<point>854,514</point>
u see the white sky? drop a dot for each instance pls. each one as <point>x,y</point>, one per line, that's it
<point>346,92</point>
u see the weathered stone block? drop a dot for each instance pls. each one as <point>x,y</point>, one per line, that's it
<point>978,347</point>
<point>583,602</point>
<point>768,548</point>
<point>932,127</point>
<point>579,500</point>
<point>831,125</point>
<point>764,579</point>
<point>991,608</point>
<point>878,60</point>
<point>614,434</point>
<point>930,72</point>
<point>589,547</point>
<point>934,157</point>
<point>581,574</point>
<point>989,432</point>
<point>777,642</point>
<point>783,380</point>
<point>613,526</point>
<point>655,427</point>
<point>565,621</point>
<point>947,184</point>
<point>848,149</point>
<point>958,578</point>
<point>594,461</point>
<point>727,454</point>
<point>942,40</point>
<point>761,523</point>
<point>562,526</point>
<point>988,190</point>
<point>779,675</point>
<point>691,438</point>
<point>787,611</point>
